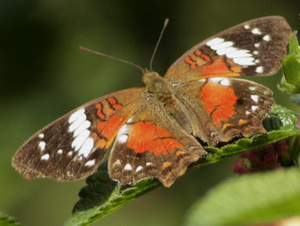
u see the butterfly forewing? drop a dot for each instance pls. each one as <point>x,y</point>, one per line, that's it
<point>253,48</point>
<point>73,146</point>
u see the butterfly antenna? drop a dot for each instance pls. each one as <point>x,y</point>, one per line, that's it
<point>112,57</point>
<point>157,44</point>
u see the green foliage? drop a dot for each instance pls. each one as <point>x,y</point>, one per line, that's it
<point>250,199</point>
<point>102,196</point>
<point>6,220</point>
<point>290,83</point>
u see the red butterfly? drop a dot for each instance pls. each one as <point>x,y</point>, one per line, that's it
<point>153,131</point>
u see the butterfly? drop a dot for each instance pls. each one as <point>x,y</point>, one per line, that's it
<point>155,131</point>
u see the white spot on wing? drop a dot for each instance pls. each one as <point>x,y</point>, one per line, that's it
<point>60,151</point>
<point>90,163</point>
<point>222,45</point>
<point>239,54</point>
<point>45,157</point>
<point>79,126</point>
<point>248,113</point>
<point>41,135</point>
<point>87,147</point>
<point>42,145</point>
<point>85,125</point>
<point>247,61</point>
<point>79,141</point>
<point>123,138</point>
<point>259,69</point>
<point>70,153</point>
<point>131,118</point>
<point>215,79</point>
<point>139,168</point>
<point>267,38</point>
<point>225,82</point>
<point>128,167</point>
<point>256,31</point>
<point>76,114</point>
<point>123,129</point>
<point>117,162</point>
<point>257,45</point>
<point>246,26</point>
<point>226,50</point>
<point>215,41</point>
<point>254,107</point>
<point>254,98</point>
<point>77,122</point>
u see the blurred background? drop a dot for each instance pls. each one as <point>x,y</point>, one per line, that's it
<point>43,75</point>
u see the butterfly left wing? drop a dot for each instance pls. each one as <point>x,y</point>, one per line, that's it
<point>253,48</point>
<point>73,146</point>
<point>150,144</point>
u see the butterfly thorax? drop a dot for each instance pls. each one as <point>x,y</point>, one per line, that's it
<point>157,85</point>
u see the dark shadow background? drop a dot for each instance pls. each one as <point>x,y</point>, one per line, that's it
<point>43,75</point>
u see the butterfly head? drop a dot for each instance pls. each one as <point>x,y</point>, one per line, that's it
<point>157,85</point>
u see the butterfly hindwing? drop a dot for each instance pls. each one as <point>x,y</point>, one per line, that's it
<point>253,48</point>
<point>73,146</point>
<point>150,144</point>
<point>226,107</point>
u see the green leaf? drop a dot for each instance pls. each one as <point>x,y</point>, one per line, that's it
<point>250,199</point>
<point>290,82</point>
<point>6,220</point>
<point>102,196</point>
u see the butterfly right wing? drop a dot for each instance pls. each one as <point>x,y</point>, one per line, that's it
<point>73,146</point>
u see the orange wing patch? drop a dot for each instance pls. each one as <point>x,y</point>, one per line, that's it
<point>197,59</point>
<point>109,129</point>
<point>114,103</point>
<point>221,68</point>
<point>100,113</point>
<point>204,66</point>
<point>218,101</point>
<point>193,64</point>
<point>109,121</point>
<point>147,136</point>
